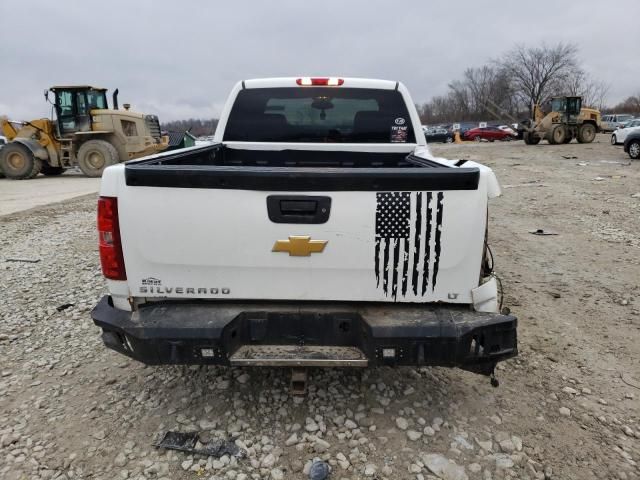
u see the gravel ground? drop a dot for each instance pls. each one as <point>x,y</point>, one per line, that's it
<point>567,407</point>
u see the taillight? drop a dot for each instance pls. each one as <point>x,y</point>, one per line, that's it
<point>109,239</point>
<point>328,81</point>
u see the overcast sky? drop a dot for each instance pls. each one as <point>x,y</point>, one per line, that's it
<point>179,59</point>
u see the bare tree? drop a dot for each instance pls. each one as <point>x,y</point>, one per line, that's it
<point>488,85</point>
<point>575,83</point>
<point>469,97</point>
<point>536,73</point>
<point>459,100</point>
<point>593,92</point>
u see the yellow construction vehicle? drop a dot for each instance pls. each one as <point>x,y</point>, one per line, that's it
<point>84,132</point>
<point>566,120</point>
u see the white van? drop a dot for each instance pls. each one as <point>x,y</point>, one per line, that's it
<point>612,121</point>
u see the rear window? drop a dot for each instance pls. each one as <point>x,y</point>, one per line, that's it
<point>319,114</point>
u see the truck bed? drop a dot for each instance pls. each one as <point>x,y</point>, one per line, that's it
<point>217,166</point>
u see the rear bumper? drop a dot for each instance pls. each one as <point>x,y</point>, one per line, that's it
<point>386,334</point>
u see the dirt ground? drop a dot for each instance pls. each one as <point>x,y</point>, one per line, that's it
<point>567,408</point>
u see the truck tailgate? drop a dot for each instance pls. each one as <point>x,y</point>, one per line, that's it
<point>205,233</point>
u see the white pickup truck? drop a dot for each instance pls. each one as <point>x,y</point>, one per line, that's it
<point>317,230</point>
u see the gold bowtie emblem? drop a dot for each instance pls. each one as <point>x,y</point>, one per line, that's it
<point>299,246</point>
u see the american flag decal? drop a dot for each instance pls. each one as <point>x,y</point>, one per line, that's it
<point>408,242</point>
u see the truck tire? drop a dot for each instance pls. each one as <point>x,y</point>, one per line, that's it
<point>558,135</point>
<point>96,155</point>
<point>530,138</point>
<point>50,171</point>
<point>586,133</point>
<point>18,163</point>
<point>569,137</point>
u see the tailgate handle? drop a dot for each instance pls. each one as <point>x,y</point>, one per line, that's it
<point>298,208</point>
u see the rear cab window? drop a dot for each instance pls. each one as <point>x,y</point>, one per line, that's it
<point>319,115</point>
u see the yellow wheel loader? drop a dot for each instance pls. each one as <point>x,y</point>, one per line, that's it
<point>566,120</point>
<point>83,132</point>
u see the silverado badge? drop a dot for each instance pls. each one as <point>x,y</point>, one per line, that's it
<point>299,246</point>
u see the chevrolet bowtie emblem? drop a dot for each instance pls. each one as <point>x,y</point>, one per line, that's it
<point>299,246</point>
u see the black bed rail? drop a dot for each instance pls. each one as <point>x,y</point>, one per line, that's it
<point>214,166</point>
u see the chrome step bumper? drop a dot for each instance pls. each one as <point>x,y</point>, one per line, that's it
<point>298,356</point>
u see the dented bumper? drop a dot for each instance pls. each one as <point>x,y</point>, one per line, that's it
<point>311,334</point>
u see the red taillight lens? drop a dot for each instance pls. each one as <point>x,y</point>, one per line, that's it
<point>328,82</point>
<point>109,239</point>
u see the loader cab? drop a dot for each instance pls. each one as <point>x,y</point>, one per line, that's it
<point>568,107</point>
<point>73,105</point>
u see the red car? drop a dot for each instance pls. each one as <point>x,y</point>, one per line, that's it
<point>487,133</point>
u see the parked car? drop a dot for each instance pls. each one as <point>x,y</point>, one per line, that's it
<point>508,129</point>
<point>620,134</point>
<point>612,121</point>
<point>487,133</point>
<point>434,135</point>
<point>632,145</point>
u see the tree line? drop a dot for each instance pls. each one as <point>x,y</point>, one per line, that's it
<point>196,126</point>
<point>629,105</point>
<point>509,85</point>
